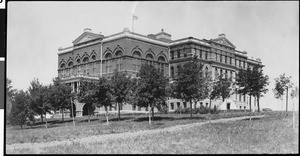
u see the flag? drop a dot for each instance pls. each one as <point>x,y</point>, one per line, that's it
<point>134,17</point>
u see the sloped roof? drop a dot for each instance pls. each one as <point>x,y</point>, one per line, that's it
<point>223,40</point>
<point>86,36</point>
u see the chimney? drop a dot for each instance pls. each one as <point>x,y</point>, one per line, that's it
<point>87,30</point>
<point>126,30</point>
<point>222,35</point>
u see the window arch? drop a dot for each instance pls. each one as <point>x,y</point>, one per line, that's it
<point>86,59</point>
<point>108,56</point>
<point>119,53</point>
<point>63,65</point>
<point>161,59</point>
<point>70,64</point>
<point>136,54</point>
<point>78,60</point>
<point>149,57</point>
<point>93,57</point>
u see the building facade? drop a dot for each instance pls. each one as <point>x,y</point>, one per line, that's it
<point>93,55</point>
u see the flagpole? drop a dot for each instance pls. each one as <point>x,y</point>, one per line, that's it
<point>132,23</point>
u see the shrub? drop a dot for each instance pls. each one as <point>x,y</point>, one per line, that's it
<point>163,110</point>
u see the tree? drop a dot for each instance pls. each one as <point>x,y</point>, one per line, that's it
<point>253,82</point>
<point>221,88</point>
<point>9,95</point>
<point>20,110</point>
<point>61,95</point>
<point>283,83</point>
<point>243,81</point>
<point>191,83</point>
<point>40,97</point>
<point>86,95</point>
<point>119,89</point>
<point>294,94</point>
<point>151,91</point>
<point>103,95</point>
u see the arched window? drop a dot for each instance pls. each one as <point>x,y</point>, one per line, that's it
<point>136,54</point>
<point>78,60</point>
<point>93,57</point>
<point>70,64</point>
<point>151,58</point>
<point>108,56</point>
<point>62,65</point>
<point>119,53</point>
<point>161,59</point>
<point>86,59</point>
<point>137,63</point>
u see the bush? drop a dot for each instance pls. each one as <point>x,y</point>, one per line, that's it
<point>163,110</point>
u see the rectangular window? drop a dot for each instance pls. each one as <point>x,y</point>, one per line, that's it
<point>229,60</point>
<point>178,54</point>
<point>172,55</point>
<point>220,58</point>
<point>172,106</point>
<point>206,55</point>
<point>225,59</point>
<point>178,104</point>
<point>184,104</point>
<point>147,109</point>
<point>200,54</point>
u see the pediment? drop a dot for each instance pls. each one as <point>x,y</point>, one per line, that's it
<point>224,41</point>
<point>86,36</point>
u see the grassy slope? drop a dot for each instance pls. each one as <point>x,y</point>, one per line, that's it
<point>272,134</point>
<point>66,130</point>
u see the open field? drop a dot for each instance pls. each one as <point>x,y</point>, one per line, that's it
<point>272,134</point>
<point>61,131</point>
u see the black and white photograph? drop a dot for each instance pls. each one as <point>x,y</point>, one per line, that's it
<point>152,77</point>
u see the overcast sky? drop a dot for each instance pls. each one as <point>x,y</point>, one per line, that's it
<point>266,30</point>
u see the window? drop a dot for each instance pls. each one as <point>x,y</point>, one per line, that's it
<point>133,107</point>
<point>201,103</point>
<point>172,55</point>
<point>221,58</point>
<point>226,74</point>
<point>201,54</point>
<point>172,106</point>
<point>172,72</point>
<point>185,55</point>
<point>206,104</point>
<point>225,59</point>
<point>178,54</point>
<point>206,55</point>
<point>110,108</point>
<point>147,109</point>
<point>244,98</point>
<point>240,107</point>
<point>178,104</point>
<point>230,60</point>
<point>139,108</point>
<point>184,104</point>
<point>240,97</point>
<point>244,107</point>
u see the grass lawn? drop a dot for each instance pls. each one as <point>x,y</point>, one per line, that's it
<point>58,130</point>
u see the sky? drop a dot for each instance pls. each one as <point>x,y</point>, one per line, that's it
<point>266,30</point>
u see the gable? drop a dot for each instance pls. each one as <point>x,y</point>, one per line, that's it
<point>86,36</point>
<point>224,41</point>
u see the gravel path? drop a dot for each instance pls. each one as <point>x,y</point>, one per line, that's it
<point>99,138</point>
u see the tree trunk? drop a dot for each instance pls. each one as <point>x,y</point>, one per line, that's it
<point>62,115</point>
<point>46,120</point>
<point>250,108</point>
<point>209,109</point>
<point>149,117</point>
<point>42,118</point>
<point>191,109</point>
<point>258,103</point>
<point>152,110</point>
<point>119,111</point>
<point>89,117</point>
<point>287,98</point>
<point>21,126</point>
<point>107,122</point>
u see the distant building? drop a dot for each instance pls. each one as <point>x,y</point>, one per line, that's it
<point>93,55</point>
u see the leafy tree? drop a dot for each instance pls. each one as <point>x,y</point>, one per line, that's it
<point>61,95</point>
<point>9,95</point>
<point>252,82</point>
<point>40,97</point>
<point>103,95</point>
<point>221,88</point>
<point>87,95</point>
<point>151,91</point>
<point>20,110</point>
<point>283,83</point>
<point>119,89</point>
<point>191,83</point>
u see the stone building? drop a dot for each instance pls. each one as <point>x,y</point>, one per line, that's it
<point>93,55</point>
